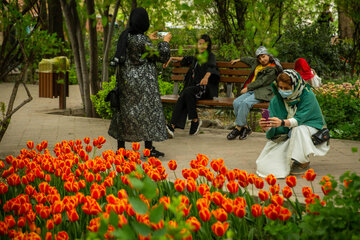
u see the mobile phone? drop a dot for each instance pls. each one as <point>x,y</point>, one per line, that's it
<point>162,34</point>
<point>265,113</point>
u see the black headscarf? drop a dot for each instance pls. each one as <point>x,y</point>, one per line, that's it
<point>138,23</point>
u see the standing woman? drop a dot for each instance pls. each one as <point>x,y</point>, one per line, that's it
<point>140,115</point>
<point>295,115</point>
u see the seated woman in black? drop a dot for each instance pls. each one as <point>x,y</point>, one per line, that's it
<point>201,82</point>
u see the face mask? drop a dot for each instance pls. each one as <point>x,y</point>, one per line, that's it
<point>285,93</point>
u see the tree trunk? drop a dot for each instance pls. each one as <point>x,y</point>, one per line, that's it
<point>240,9</point>
<point>105,67</point>
<point>222,7</point>
<point>93,43</point>
<point>346,26</point>
<point>77,42</point>
<point>55,19</point>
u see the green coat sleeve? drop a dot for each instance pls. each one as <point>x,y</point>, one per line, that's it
<point>249,61</point>
<point>264,78</point>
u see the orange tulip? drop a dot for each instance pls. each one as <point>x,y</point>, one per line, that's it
<point>13,180</point>
<point>50,224</point>
<point>239,211</point>
<point>48,236</point>
<point>256,210</point>
<point>62,236</point>
<point>45,212</point>
<point>30,144</point>
<point>219,228</point>
<point>217,198</point>
<point>291,181</point>
<point>88,148</point>
<point>233,187</point>
<point>86,140</point>
<point>326,188</point>
<point>277,200</point>
<point>203,188</point>
<point>240,201</point>
<point>3,188</point>
<point>179,185</point>
<point>146,152</point>
<point>39,147</point>
<point>271,179</point>
<point>57,207</point>
<point>202,203</point>
<point>195,225</point>
<point>275,189</point>
<point>122,194</point>
<point>135,146</point>
<point>310,175</point>
<point>284,214</point>
<point>72,215</point>
<point>21,222</point>
<point>272,211</point>
<point>306,191</point>
<point>165,201</point>
<point>10,221</point>
<point>3,229</point>
<point>259,183</point>
<point>220,214</point>
<point>205,214</point>
<point>172,165</point>
<point>191,184</point>
<point>347,182</point>
<point>231,175</point>
<point>287,192</point>
<point>263,195</point>
<point>228,205</point>
<point>251,178</point>
<point>57,218</point>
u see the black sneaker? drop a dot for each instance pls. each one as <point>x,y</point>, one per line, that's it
<point>245,133</point>
<point>195,127</point>
<point>298,168</point>
<point>234,133</point>
<point>156,153</point>
<point>170,131</point>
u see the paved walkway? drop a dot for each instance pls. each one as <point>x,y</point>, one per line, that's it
<point>33,122</point>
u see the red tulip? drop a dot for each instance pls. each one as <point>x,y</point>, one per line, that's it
<point>275,189</point>
<point>205,214</point>
<point>277,200</point>
<point>62,236</point>
<point>263,195</point>
<point>272,211</point>
<point>239,211</point>
<point>86,140</point>
<point>191,184</point>
<point>287,192</point>
<point>284,214</point>
<point>135,146</point>
<point>291,181</point>
<point>172,165</point>
<point>179,185</point>
<point>57,218</point>
<point>220,214</point>
<point>233,187</point>
<point>195,225</point>
<point>30,144</point>
<point>326,188</point>
<point>10,221</point>
<point>3,228</point>
<point>21,222</point>
<point>271,179</point>
<point>259,183</point>
<point>146,152</point>
<point>3,188</point>
<point>306,191</point>
<point>256,210</point>
<point>219,228</point>
<point>48,236</point>
<point>310,175</point>
<point>72,215</point>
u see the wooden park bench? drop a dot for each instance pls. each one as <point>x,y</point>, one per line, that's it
<point>229,75</point>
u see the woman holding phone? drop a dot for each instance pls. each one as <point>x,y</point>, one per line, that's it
<point>294,116</point>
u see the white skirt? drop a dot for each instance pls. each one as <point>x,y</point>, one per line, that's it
<point>275,158</point>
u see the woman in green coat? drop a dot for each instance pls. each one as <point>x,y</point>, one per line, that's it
<point>295,115</point>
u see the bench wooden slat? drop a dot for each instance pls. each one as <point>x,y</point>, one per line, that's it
<point>180,70</point>
<point>237,72</point>
<point>222,64</point>
<point>233,79</point>
<point>221,101</point>
<point>177,77</point>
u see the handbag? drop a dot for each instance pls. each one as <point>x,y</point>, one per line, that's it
<point>113,98</point>
<point>321,136</point>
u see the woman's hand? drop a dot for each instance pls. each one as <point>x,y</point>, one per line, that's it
<point>153,36</point>
<point>264,124</point>
<point>274,122</point>
<point>235,61</point>
<point>244,90</point>
<point>204,81</point>
<point>167,37</point>
<point>172,59</point>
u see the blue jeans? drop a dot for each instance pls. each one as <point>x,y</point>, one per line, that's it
<point>242,106</point>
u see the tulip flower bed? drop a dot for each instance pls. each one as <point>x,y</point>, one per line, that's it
<point>71,193</point>
<point>340,104</point>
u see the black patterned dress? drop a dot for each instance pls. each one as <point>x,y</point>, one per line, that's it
<point>140,116</point>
